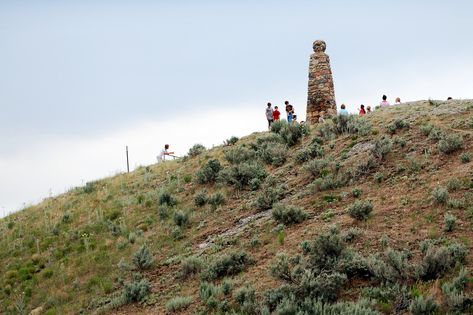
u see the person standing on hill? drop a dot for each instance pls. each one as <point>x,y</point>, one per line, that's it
<point>384,102</point>
<point>362,110</point>
<point>289,109</point>
<point>398,100</point>
<point>269,115</point>
<point>343,111</point>
<point>276,113</point>
<point>162,155</point>
<point>368,109</point>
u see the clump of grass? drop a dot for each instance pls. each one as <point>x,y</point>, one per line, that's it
<point>423,306</point>
<point>288,214</point>
<point>382,146</point>
<point>450,143</point>
<point>190,266</point>
<point>440,195</point>
<point>201,198</point>
<point>356,192</point>
<point>165,198</point>
<point>398,124</point>
<point>449,221</point>
<point>178,303</point>
<point>216,200</point>
<point>136,290</point>
<point>196,149</point>
<point>181,218</point>
<point>227,265</point>
<point>465,157</point>
<point>360,209</point>
<point>142,259</point>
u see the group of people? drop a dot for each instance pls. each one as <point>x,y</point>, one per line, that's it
<point>363,111</point>
<point>273,115</point>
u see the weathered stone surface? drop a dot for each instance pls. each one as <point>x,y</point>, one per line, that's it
<point>321,93</point>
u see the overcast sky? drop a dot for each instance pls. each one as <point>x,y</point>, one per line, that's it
<point>80,80</point>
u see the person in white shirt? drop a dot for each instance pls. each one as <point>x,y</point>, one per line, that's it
<point>398,100</point>
<point>162,155</point>
<point>384,102</point>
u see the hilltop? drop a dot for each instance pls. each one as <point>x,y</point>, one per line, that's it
<point>364,215</point>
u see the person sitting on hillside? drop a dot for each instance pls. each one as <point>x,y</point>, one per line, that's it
<point>343,111</point>
<point>289,109</point>
<point>162,155</point>
<point>362,110</point>
<point>398,100</point>
<point>384,102</point>
<point>276,113</point>
<point>368,109</point>
<point>269,115</point>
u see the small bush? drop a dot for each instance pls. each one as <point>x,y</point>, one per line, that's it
<point>449,221</point>
<point>437,261</point>
<point>207,290</point>
<point>465,157</point>
<point>351,234</point>
<point>142,259</point>
<point>313,150</point>
<point>290,133</point>
<point>324,286</point>
<point>317,167</point>
<point>280,268</point>
<point>201,198</point>
<point>360,210</point>
<point>239,155</point>
<point>269,195</point>
<point>382,146</point>
<point>136,290</point>
<point>440,195</point>
<point>397,125</point>
<point>217,200</point>
<point>450,143</point>
<point>191,266</point>
<point>356,192</point>
<point>233,140</point>
<point>378,177</point>
<point>288,214</point>
<point>227,265</point>
<point>195,150</point>
<point>178,303</point>
<point>325,250</point>
<point>66,218</point>
<point>167,199</point>
<point>181,218</point>
<point>274,154</point>
<point>209,172</point>
<point>243,175</point>
<point>423,306</point>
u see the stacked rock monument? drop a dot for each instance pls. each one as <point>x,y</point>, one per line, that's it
<point>321,93</point>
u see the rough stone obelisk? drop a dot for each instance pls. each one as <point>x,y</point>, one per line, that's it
<point>321,94</point>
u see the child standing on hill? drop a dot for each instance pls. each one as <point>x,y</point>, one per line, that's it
<point>276,113</point>
<point>384,102</point>
<point>162,155</point>
<point>289,109</point>
<point>362,110</point>
<point>269,115</point>
<point>343,111</point>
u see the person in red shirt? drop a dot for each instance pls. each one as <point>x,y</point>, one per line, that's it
<point>362,110</point>
<point>276,113</point>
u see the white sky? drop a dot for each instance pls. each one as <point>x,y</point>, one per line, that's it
<point>80,80</point>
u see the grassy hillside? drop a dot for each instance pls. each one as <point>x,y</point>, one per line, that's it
<point>366,215</point>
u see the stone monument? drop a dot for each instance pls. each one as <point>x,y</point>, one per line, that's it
<point>321,93</point>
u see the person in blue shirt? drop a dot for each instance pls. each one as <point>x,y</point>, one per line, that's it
<point>343,111</point>
<point>289,117</point>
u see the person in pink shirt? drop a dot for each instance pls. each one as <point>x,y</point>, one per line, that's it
<point>384,102</point>
<point>362,110</point>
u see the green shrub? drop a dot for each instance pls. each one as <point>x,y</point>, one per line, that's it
<point>316,168</point>
<point>233,140</point>
<point>136,290</point>
<point>280,267</point>
<point>440,195</point>
<point>360,209</point>
<point>67,217</point>
<point>437,261</point>
<point>227,265</point>
<point>344,124</point>
<point>449,221</point>
<point>450,143</point>
<point>165,198</point>
<point>313,150</point>
<point>217,200</point>
<point>209,172</point>
<point>288,214</point>
<point>181,218</point>
<point>436,134</point>
<point>201,198</point>
<point>324,286</point>
<point>190,266</point>
<point>244,295</point>
<point>273,154</point>
<point>142,259</point>
<point>239,155</point>
<point>378,177</point>
<point>195,150</point>
<point>423,306</point>
<point>290,133</point>
<point>356,192</point>
<point>382,146</point>
<point>325,250</point>
<point>89,187</point>
<point>270,195</point>
<point>178,303</point>
<point>351,234</point>
<point>207,290</point>
<point>243,175</point>
<point>397,125</point>
<point>465,157</point>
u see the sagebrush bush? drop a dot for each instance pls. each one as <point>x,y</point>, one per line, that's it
<point>280,267</point>
<point>181,218</point>
<point>196,150</point>
<point>360,209</point>
<point>243,175</point>
<point>289,306</point>
<point>325,250</point>
<point>165,198</point>
<point>356,192</point>
<point>397,125</point>
<point>437,261</point>
<point>201,198</point>
<point>274,154</point>
<point>287,214</point>
<point>318,167</point>
<point>207,290</point>
<point>324,286</point>
<point>290,133</point>
<point>449,221</point>
<point>423,306</point>
<point>465,157</point>
<point>382,146</point>
<point>142,259</point>
<point>136,290</point>
<point>351,234</point>
<point>190,266</point>
<point>227,265</point>
<point>450,143</point>
<point>440,195</point>
<point>231,141</point>
<point>178,303</point>
<point>217,200</point>
<point>313,150</point>
<point>269,195</point>
<point>209,172</point>
<point>240,154</point>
